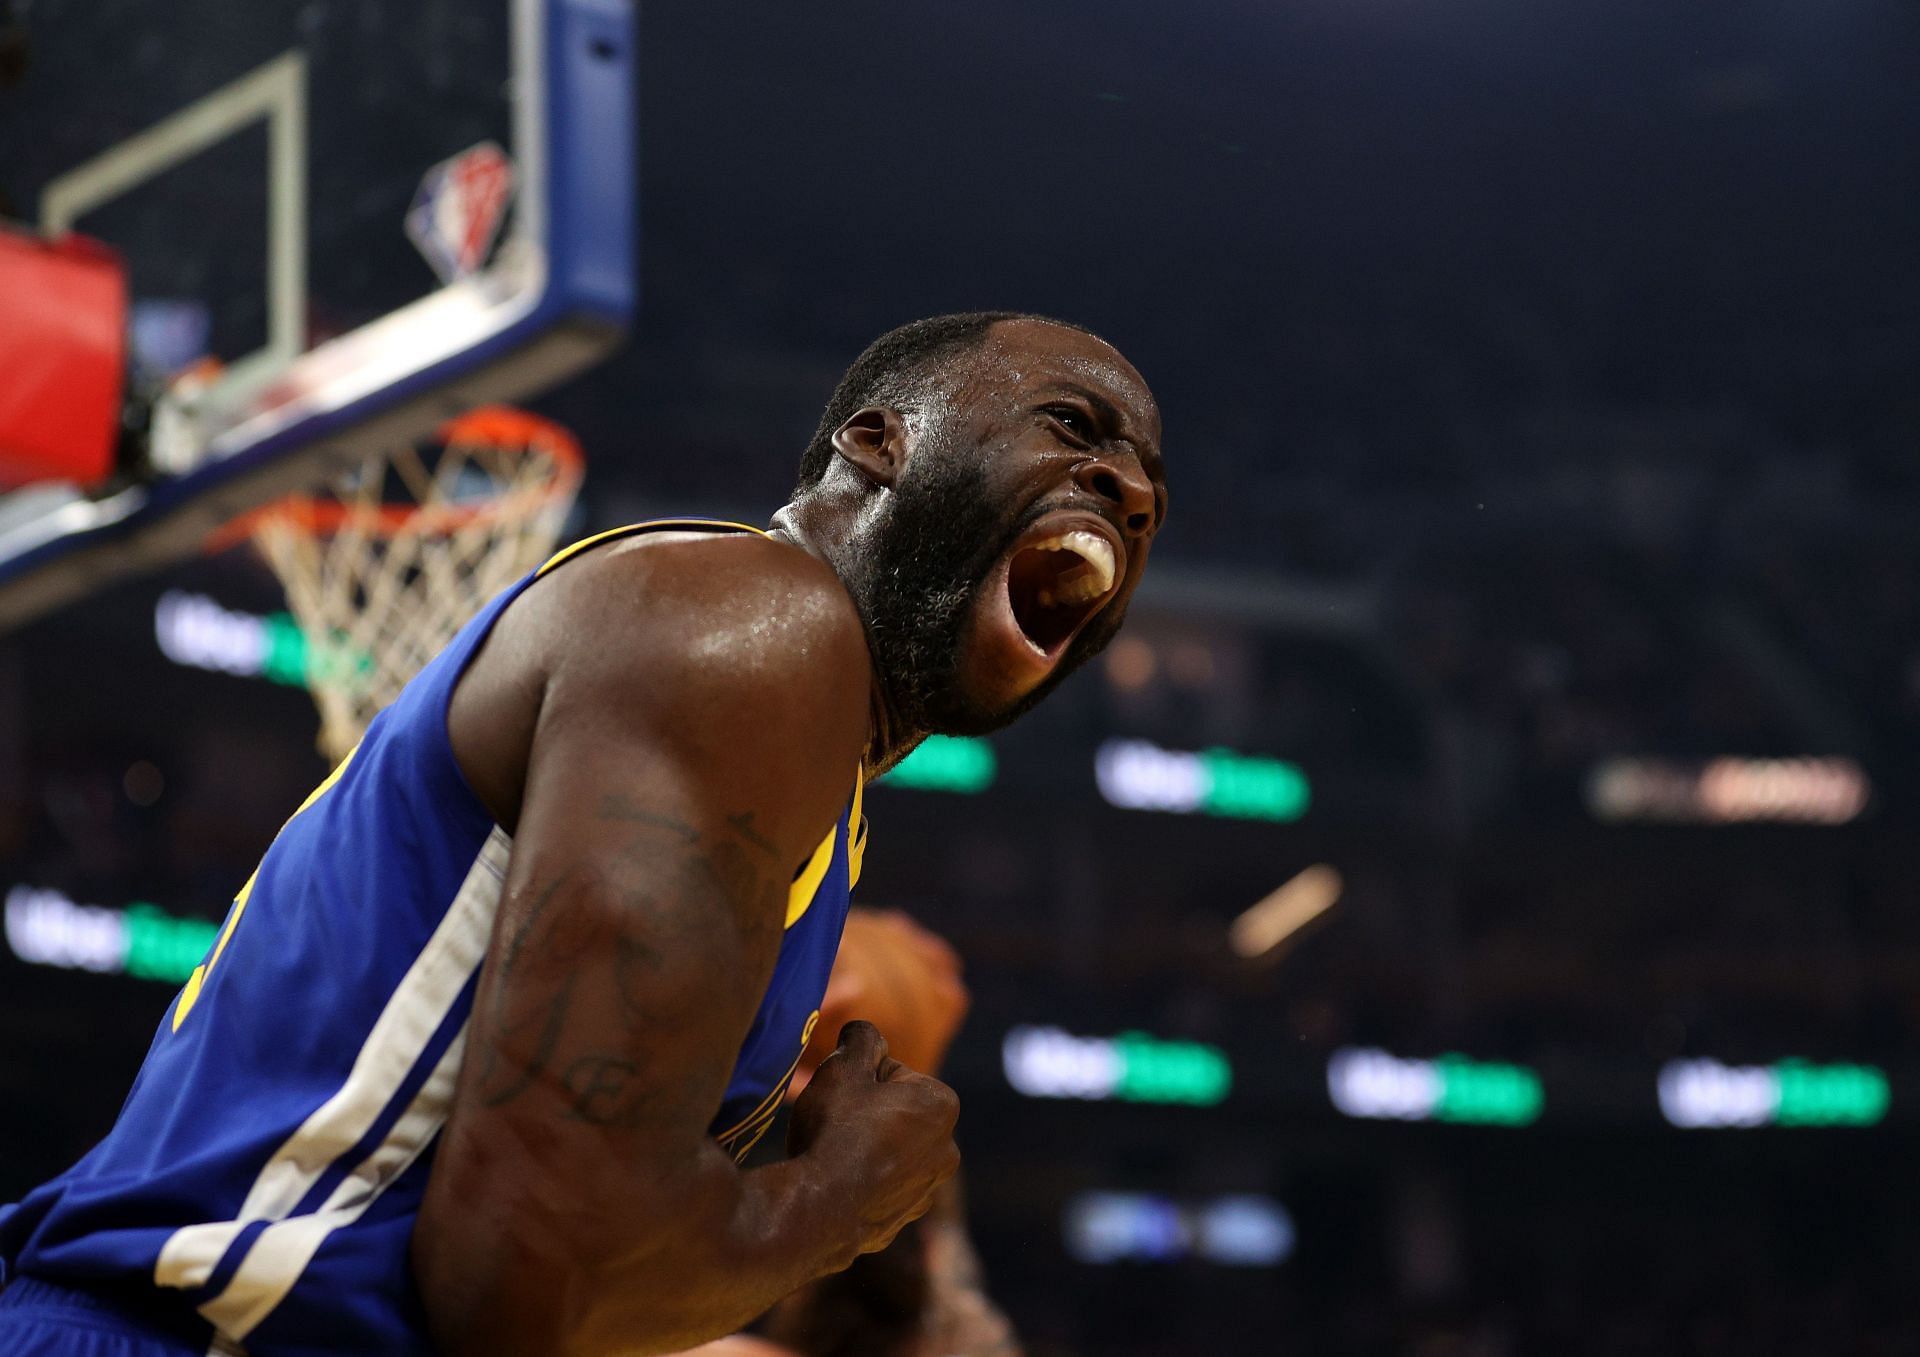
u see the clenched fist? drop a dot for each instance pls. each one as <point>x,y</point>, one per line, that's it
<point>880,1133</point>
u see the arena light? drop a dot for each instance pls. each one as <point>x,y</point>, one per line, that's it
<point>1139,775</point>
<point>1292,906</point>
<point>1724,791</point>
<point>194,631</point>
<point>1245,1231</point>
<point>946,763</point>
<point>1046,1062</point>
<point>46,928</point>
<point>1697,1094</point>
<point>1236,1231</point>
<point>1377,1085</point>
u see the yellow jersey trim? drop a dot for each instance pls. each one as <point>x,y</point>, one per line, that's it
<point>807,884</point>
<point>661,524</point>
<point>770,1103</point>
<point>740,1154</point>
<point>856,833</point>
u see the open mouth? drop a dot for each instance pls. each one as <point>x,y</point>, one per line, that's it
<point>1058,581</point>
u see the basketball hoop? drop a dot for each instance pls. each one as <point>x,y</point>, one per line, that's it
<point>381,571</point>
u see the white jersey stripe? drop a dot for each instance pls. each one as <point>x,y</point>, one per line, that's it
<point>418,1007</point>
<point>282,1251</point>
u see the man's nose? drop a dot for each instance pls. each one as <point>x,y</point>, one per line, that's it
<point>1121,482</point>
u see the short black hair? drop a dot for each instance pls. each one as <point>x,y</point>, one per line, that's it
<point>896,362</point>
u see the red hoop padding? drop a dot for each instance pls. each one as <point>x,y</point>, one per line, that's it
<point>63,336</point>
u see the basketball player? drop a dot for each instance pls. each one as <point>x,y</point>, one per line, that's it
<point>473,1057</point>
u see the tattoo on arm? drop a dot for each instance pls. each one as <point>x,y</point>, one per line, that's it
<point>505,1025</point>
<point>620,806</point>
<point>667,884</point>
<point>742,824</point>
<point>598,1087</point>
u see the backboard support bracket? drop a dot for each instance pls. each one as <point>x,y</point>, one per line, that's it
<point>275,93</point>
<point>558,296</point>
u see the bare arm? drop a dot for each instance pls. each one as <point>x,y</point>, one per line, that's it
<point>688,753</point>
<point>962,1320</point>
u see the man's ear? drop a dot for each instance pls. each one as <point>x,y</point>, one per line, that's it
<point>874,442</point>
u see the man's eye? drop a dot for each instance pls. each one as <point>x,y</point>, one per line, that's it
<point>1072,421</point>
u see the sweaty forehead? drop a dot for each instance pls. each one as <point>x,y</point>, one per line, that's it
<point>1021,357</point>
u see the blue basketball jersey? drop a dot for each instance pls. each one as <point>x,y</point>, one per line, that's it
<point>259,1189</point>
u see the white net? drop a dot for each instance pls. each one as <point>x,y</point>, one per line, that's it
<point>382,569</point>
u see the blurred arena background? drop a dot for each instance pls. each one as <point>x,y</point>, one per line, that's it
<point>1474,909</point>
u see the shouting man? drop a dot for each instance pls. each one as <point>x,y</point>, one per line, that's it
<point>474,1057</point>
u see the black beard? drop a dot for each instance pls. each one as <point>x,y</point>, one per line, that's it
<point>923,570</point>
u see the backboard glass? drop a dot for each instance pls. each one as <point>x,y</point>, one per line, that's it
<point>372,213</point>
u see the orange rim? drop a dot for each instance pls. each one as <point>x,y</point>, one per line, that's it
<point>503,426</point>
<point>499,426</point>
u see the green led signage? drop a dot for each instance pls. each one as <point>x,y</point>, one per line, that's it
<point>1153,1071</point>
<point>48,929</point>
<point>194,630</point>
<point>1829,1095</point>
<point>947,763</point>
<point>1368,1082</point>
<point>1703,1093</point>
<point>163,947</point>
<point>1139,775</point>
<point>1247,787</point>
<point>1045,1062</point>
<point>1489,1094</point>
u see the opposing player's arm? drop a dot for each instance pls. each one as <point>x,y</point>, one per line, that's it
<point>689,752</point>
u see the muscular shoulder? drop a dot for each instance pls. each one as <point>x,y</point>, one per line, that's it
<point>714,628</point>
<point>720,603</point>
<point>706,648</point>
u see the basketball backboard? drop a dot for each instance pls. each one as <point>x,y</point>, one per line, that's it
<point>372,214</point>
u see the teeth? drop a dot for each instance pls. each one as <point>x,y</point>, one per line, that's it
<point>1075,588</point>
<point>1088,583</point>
